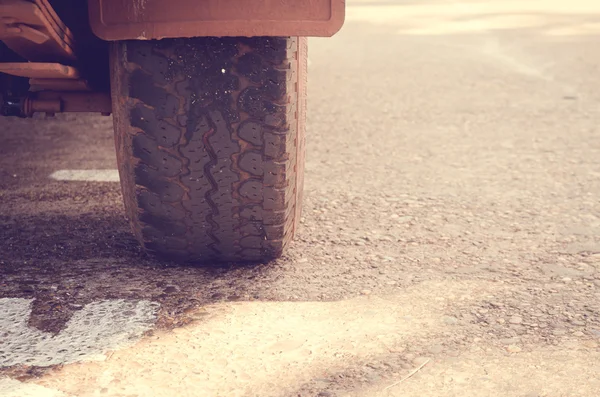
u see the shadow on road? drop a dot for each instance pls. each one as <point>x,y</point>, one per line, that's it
<point>65,262</point>
<point>66,244</point>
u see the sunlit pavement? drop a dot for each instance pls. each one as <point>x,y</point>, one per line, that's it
<point>450,243</point>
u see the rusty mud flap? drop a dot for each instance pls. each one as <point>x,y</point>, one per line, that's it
<point>156,19</point>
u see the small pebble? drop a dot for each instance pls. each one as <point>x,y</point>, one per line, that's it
<point>513,349</point>
<point>515,320</point>
<point>373,365</point>
<point>365,292</point>
<point>449,320</point>
<point>420,360</point>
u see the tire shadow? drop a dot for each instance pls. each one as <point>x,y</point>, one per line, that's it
<point>67,244</point>
<point>64,262</point>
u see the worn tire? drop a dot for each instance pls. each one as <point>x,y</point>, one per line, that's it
<point>209,135</point>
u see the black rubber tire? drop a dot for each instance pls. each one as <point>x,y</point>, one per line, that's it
<point>209,135</point>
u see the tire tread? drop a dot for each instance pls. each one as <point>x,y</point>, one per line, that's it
<point>210,140</point>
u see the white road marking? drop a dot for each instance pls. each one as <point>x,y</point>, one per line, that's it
<point>93,330</point>
<point>86,175</point>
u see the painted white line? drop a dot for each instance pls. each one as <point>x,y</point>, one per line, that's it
<point>86,175</point>
<point>93,330</point>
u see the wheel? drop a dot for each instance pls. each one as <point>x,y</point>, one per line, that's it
<point>209,135</point>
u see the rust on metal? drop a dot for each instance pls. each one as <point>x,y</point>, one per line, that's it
<point>81,102</point>
<point>55,21</point>
<point>36,84</point>
<point>51,102</point>
<point>34,32</point>
<point>143,19</point>
<point>32,106</point>
<point>39,70</point>
<point>25,32</point>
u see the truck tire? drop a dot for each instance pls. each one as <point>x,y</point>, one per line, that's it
<point>209,135</point>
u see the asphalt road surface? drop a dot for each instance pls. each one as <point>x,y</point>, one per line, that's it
<point>450,243</point>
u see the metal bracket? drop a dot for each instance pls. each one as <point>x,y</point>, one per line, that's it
<point>51,102</point>
<point>46,76</point>
<point>33,30</point>
<point>130,20</point>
